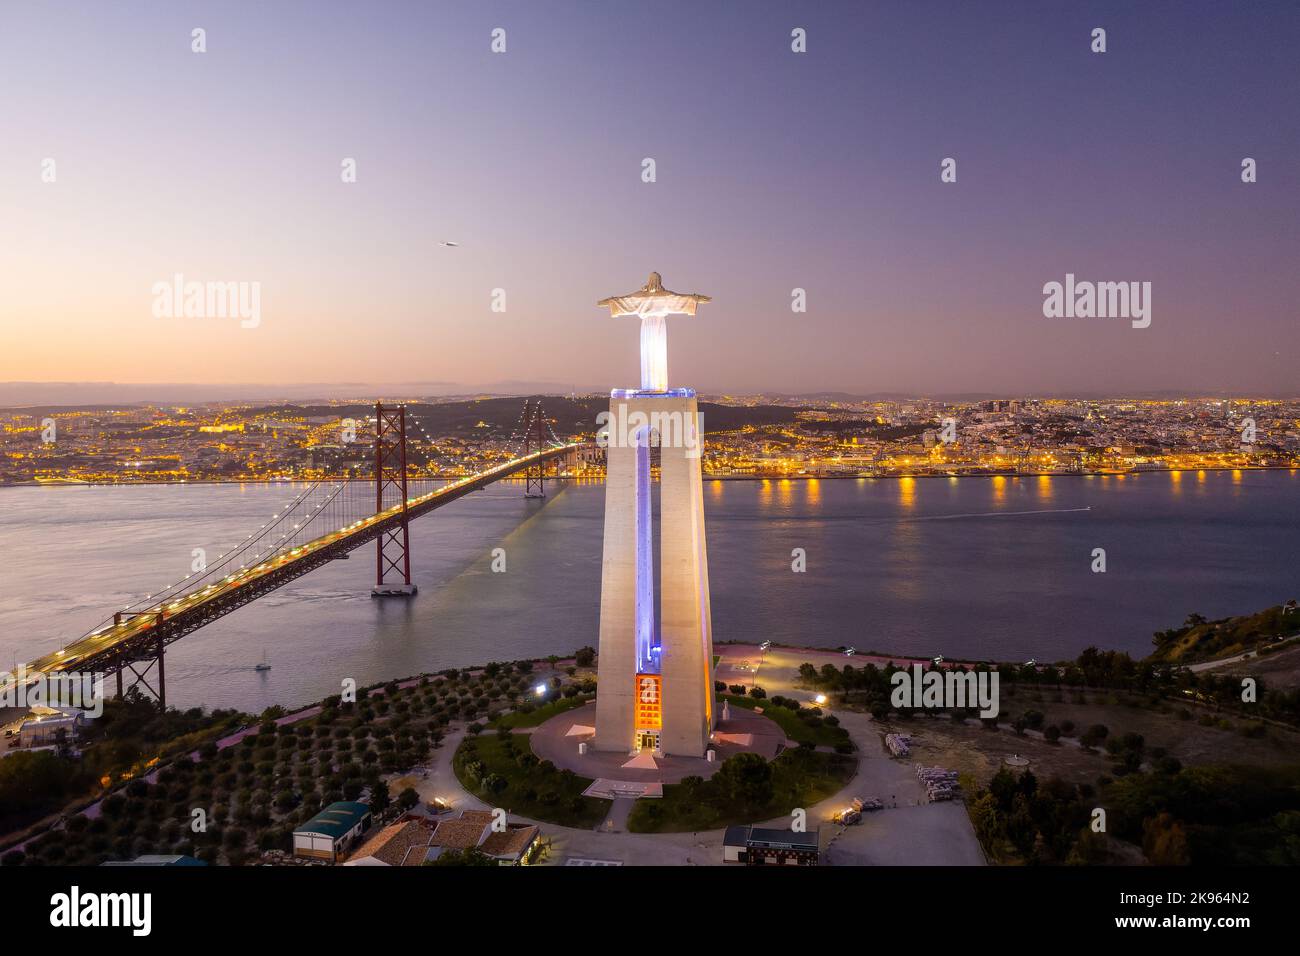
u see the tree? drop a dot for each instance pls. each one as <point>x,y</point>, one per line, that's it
<point>746,778</point>
<point>1088,850</point>
<point>988,823</point>
<point>1094,735</point>
<point>1164,841</point>
<point>585,656</point>
<point>29,780</point>
<point>471,857</point>
<point>1132,741</point>
<point>407,799</point>
<point>1003,788</point>
<point>692,785</point>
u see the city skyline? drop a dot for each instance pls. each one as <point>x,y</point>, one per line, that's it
<point>103,395</point>
<point>1115,167</point>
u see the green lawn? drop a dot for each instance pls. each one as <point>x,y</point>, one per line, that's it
<point>800,778</point>
<point>541,714</point>
<point>554,796</point>
<point>795,727</point>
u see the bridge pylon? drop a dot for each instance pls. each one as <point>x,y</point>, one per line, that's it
<point>534,441</point>
<point>393,546</point>
<point>142,663</point>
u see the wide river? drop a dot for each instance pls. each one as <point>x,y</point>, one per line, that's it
<point>991,568</point>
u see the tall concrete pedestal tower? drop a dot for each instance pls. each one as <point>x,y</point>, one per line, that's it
<point>655,687</point>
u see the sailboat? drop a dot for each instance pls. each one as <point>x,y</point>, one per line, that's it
<point>264,665</point>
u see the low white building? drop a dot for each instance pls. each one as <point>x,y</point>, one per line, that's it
<point>329,834</point>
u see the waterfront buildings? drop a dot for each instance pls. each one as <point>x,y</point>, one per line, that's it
<point>749,436</point>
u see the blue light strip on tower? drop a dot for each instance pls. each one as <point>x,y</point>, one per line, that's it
<point>647,662</point>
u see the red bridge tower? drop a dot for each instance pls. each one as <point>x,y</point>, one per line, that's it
<point>393,547</point>
<point>535,441</point>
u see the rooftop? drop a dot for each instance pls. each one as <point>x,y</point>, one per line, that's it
<point>782,839</point>
<point>394,844</point>
<point>460,834</point>
<point>157,859</point>
<point>510,844</point>
<point>336,819</point>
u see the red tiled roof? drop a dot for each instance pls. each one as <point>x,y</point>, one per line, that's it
<point>391,844</point>
<point>510,844</point>
<point>459,834</point>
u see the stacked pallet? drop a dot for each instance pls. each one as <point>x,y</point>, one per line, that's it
<point>900,745</point>
<point>940,784</point>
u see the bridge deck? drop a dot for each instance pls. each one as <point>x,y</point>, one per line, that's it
<point>140,636</point>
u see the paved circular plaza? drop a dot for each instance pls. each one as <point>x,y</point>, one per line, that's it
<point>743,732</point>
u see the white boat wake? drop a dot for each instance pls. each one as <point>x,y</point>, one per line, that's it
<point>1002,514</point>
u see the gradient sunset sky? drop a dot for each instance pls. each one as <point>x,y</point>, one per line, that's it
<point>775,171</point>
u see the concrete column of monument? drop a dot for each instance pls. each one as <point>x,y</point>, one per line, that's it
<point>687,657</point>
<point>617,646</point>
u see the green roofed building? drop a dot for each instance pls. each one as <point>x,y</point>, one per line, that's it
<point>330,833</point>
<point>157,859</point>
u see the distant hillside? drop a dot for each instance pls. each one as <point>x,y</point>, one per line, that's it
<point>1199,639</point>
<point>570,415</point>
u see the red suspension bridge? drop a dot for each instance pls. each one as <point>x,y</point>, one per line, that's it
<point>325,522</point>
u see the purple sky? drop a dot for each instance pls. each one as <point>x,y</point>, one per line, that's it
<point>775,171</point>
